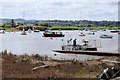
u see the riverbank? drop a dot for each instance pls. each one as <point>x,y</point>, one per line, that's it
<point>37,66</point>
<point>63,28</point>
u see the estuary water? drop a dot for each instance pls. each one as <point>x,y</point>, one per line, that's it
<point>33,43</point>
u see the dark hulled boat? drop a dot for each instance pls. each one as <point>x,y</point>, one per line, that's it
<point>53,34</point>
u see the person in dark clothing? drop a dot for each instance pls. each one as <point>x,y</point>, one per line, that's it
<point>74,42</point>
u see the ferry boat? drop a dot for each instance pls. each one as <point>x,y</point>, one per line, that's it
<point>84,47</point>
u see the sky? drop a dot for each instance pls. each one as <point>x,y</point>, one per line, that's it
<point>60,9</point>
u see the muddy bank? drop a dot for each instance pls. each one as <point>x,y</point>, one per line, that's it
<point>36,66</point>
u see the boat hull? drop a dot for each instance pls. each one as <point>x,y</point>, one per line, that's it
<point>53,35</point>
<point>78,47</point>
<point>114,31</point>
<point>104,37</point>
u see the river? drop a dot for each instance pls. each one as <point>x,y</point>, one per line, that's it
<point>33,43</point>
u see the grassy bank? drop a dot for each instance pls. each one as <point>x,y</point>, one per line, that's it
<point>10,29</point>
<point>81,28</point>
<point>37,66</point>
<point>65,28</point>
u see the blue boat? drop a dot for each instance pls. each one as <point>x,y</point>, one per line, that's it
<point>114,31</point>
<point>106,36</point>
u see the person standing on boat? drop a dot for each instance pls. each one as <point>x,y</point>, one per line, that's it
<point>74,44</point>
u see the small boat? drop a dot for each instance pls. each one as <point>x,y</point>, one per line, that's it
<point>53,34</point>
<point>110,74</point>
<point>29,30</point>
<point>36,30</point>
<point>81,34</point>
<point>106,36</point>
<point>114,31</point>
<point>2,31</point>
<point>91,33</point>
<point>86,29</point>
<point>23,32</point>
<point>94,31</point>
<point>84,47</point>
<point>104,30</point>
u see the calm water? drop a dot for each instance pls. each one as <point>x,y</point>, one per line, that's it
<point>34,43</point>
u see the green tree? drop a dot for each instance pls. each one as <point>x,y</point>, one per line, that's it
<point>4,25</point>
<point>21,24</point>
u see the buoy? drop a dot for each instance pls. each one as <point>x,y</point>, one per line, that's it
<point>51,37</point>
<point>9,32</point>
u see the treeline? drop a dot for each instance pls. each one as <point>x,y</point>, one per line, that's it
<point>86,22</point>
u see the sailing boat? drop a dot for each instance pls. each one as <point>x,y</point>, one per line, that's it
<point>49,33</point>
<point>23,32</point>
<point>29,30</point>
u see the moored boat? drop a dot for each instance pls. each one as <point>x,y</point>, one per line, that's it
<point>53,34</point>
<point>94,31</point>
<point>36,30</point>
<point>23,32</point>
<point>114,31</point>
<point>29,30</point>
<point>2,31</point>
<point>91,33</point>
<point>81,34</point>
<point>106,36</point>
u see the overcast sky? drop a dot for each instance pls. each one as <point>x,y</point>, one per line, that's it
<point>59,9</point>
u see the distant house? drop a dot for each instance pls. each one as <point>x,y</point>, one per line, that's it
<point>18,23</point>
<point>13,25</point>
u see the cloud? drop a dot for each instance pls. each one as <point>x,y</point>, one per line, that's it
<point>60,10</point>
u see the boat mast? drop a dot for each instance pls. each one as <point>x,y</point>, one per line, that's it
<point>80,19</point>
<point>29,22</point>
<point>23,19</point>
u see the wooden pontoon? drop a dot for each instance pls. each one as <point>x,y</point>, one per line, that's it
<point>99,53</point>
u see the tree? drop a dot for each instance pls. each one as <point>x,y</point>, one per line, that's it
<point>21,24</point>
<point>4,25</point>
<point>45,24</point>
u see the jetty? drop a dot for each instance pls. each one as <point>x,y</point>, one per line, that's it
<point>99,53</point>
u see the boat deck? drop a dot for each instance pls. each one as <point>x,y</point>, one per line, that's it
<point>99,53</point>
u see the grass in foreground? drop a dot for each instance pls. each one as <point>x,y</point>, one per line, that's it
<point>36,66</point>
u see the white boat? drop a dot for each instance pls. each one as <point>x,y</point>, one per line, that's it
<point>2,31</point>
<point>36,30</point>
<point>81,34</point>
<point>114,31</point>
<point>29,30</point>
<point>106,36</point>
<point>94,31</point>
<point>91,33</point>
<point>23,32</point>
